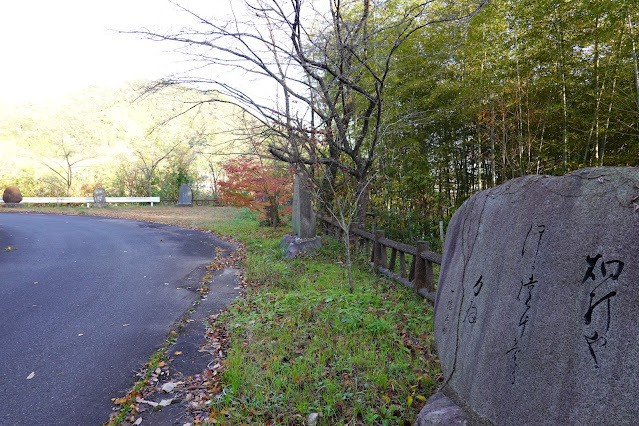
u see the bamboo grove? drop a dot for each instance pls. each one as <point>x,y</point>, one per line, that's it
<point>529,87</point>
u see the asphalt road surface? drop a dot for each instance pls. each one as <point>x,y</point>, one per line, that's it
<point>84,302</point>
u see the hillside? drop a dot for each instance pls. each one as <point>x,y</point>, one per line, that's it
<point>118,138</point>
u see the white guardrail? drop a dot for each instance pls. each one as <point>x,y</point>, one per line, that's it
<point>87,200</point>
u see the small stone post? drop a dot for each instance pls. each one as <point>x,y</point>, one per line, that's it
<point>99,198</point>
<point>304,237</point>
<point>304,222</point>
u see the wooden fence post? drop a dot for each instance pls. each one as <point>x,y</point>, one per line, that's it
<point>423,269</point>
<point>352,237</point>
<point>380,250</point>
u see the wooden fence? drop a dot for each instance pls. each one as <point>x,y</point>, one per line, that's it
<point>419,277</point>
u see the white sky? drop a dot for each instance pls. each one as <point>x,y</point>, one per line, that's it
<point>49,48</point>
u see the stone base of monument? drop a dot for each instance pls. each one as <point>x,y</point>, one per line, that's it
<point>441,411</point>
<point>292,245</point>
<point>13,205</point>
<point>99,205</point>
<point>183,205</point>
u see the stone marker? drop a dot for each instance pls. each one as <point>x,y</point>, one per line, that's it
<point>304,239</point>
<point>304,222</point>
<point>99,198</point>
<point>537,311</point>
<point>185,199</point>
<point>12,196</point>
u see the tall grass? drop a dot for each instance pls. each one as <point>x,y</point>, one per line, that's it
<point>301,343</point>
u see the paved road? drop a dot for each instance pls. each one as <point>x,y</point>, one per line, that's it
<point>84,301</point>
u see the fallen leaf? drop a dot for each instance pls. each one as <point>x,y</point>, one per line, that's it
<point>168,387</point>
<point>144,401</point>
<point>80,334</point>
<point>178,352</point>
<point>312,419</point>
<point>126,325</point>
<point>138,421</point>
<point>31,376</point>
<point>409,401</point>
<point>166,402</point>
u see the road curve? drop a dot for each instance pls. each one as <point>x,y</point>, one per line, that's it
<point>84,301</point>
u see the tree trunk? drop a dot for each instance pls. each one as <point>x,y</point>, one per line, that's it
<point>597,94</point>
<point>634,54</point>
<point>605,137</point>
<point>479,160</point>
<point>492,145</point>
<point>520,122</point>
<point>563,91</point>
<point>349,263</point>
<point>362,202</point>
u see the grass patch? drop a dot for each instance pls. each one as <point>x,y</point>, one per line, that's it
<point>302,344</point>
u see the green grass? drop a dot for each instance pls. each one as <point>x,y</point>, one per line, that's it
<point>301,343</point>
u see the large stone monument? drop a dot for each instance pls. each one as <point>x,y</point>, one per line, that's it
<point>303,239</point>
<point>12,196</point>
<point>99,198</point>
<point>537,312</point>
<point>185,198</point>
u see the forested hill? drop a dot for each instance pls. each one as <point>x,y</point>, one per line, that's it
<point>119,138</point>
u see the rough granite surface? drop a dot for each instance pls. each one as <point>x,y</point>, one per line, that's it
<point>537,312</point>
<point>441,411</point>
<point>303,218</point>
<point>99,197</point>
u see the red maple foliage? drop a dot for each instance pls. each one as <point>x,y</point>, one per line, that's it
<point>250,182</point>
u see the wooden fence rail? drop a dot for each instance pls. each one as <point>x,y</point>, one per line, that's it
<point>419,276</point>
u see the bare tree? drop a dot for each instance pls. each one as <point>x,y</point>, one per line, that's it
<point>69,155</point>
<point>328,69</point>
<point>151,159</point>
